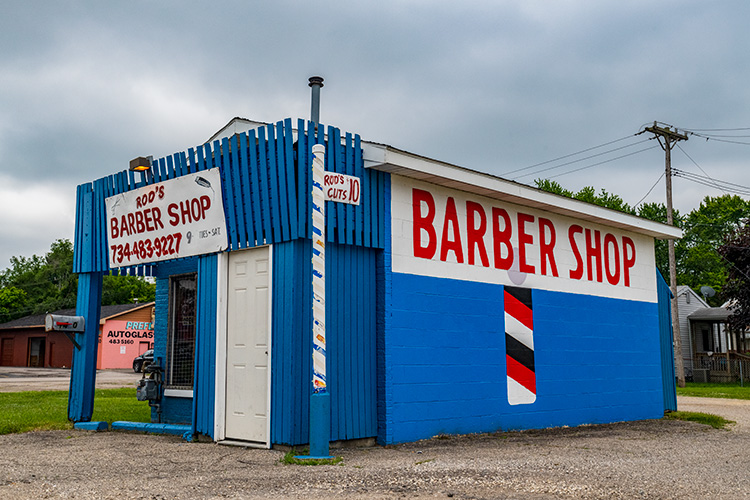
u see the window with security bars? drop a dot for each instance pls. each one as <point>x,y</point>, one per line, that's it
<point>181,336</point>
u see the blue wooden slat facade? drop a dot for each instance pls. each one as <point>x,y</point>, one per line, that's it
<point>350,341</point>
<point>204,392</point>
<point>290,175</point>
<point>230,198</point>
<point>666,343</point>
<point>239,208</point>
<point>250,196</point>
<point>266,189</point>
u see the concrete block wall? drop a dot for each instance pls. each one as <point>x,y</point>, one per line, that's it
<point>596,359</point>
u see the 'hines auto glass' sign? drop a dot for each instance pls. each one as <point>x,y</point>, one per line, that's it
<point>177,218</point>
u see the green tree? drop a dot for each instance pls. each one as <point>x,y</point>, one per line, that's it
<point>553,187</point>
<point>11,299</point>
<point>587,194</point>
<point>736,251</point>
<point>48,282</point>
<point>704,229</point>
<point>126,289</point>
<point>36,285</point>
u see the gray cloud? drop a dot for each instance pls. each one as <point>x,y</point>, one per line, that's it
<point>493,86</point>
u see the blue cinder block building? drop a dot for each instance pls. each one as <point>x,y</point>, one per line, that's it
<point>457,301</point>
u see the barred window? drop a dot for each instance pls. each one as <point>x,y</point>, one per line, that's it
<point>181,335</point>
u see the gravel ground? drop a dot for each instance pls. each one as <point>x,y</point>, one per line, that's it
<point>648,459</point>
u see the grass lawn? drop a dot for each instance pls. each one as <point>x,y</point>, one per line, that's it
<point>714,421</point>
<point>48,410</point>
<point>730,391</point>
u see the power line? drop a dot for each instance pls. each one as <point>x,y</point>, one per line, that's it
<point>696,164</point>
<point>726,187</point>
<point>569,155</point>
<point>598,163</point>
<point>703,133</point>
<point>718,140</point>
<point>652,188</point>
<point>713,136</point>
<point>726,183</point>
<point>536,172</point>
<point>716,129</point>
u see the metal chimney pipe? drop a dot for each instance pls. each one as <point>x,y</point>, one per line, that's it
<point>316,82</point>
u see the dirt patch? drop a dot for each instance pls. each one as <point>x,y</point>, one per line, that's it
<point>648,459</point>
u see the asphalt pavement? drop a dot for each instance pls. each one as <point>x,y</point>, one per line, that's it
<point>651,459</point>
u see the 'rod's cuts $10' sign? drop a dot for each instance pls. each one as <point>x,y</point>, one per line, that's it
<point>341,188</point>
<point>177,218</point>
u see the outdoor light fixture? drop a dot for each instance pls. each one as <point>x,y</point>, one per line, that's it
<point>140,164</point>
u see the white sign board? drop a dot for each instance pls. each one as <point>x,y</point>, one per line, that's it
<point>177,218</point>
<point>341,188</point>
<point>448,233</point>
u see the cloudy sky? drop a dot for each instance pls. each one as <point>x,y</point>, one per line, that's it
<point>495,86</point>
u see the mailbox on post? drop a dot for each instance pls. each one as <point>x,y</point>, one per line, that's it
<point>58,323</point>
<point>66,324</point>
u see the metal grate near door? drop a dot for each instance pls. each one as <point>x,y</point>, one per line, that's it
<point>181,338</point>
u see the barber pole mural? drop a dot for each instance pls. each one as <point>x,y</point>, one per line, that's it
<point>318,269</point>
<point>519,345</point>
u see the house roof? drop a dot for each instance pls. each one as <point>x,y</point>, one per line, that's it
<point>107,312</point>
<point>235,126</point>
<point>684,290</point>
<point>715,314</point>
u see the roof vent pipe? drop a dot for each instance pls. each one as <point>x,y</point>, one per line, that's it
<point>316,82</point>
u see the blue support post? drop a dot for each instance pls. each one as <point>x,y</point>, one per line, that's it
<point>83,371</point>
<point>320,425</point>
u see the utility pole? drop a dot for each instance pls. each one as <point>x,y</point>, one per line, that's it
<point>667,139</point>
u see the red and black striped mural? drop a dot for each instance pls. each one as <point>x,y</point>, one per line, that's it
<point>519,345</point>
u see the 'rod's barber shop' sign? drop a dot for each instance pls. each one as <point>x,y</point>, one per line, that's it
<point>177,218</point>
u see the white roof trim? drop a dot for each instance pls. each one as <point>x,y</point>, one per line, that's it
<point>392,160</point>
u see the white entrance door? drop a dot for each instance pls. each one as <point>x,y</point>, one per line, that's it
<point>248,345</point>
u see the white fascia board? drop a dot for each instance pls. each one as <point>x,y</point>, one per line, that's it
<point>395,161</point>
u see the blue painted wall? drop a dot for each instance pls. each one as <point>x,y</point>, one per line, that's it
<point>597,360</point>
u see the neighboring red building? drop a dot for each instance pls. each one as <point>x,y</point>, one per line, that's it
<point>23,342</point>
